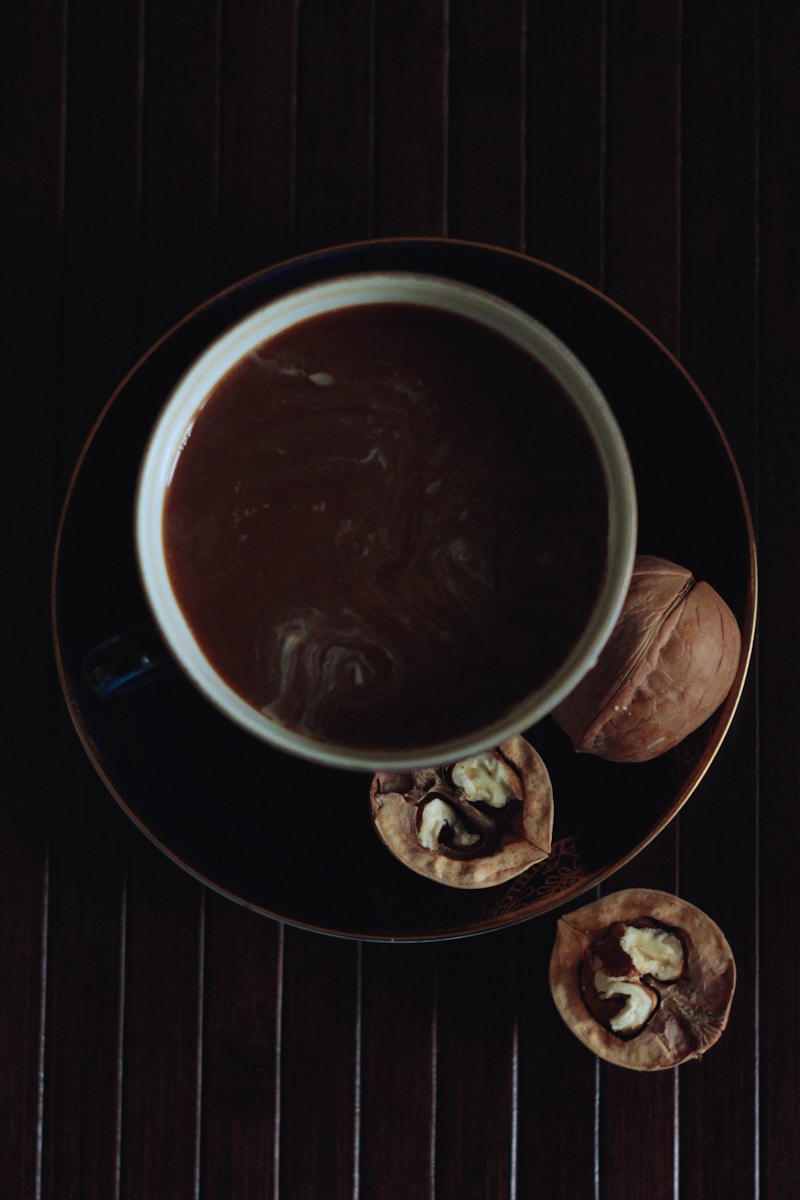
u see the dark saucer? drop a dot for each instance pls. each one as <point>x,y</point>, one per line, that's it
<point>294,840</point>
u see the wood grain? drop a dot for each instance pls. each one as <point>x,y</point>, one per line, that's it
<point>242,1011</point>
<point>719,345</point>
<point>258,82</point>
<point>486,123</point>
<point>642,171</point>
<point>779,813</point>
<point>31,206</point>
<point>320,1065</point>
<point>410,123</point>
<point>333,201</point>
<point>161,1048</point>
<point>179,148</point>
<point>642,239</point>
<point>399,1070</point>
<point>158,1040</point>
<point>565,132</point>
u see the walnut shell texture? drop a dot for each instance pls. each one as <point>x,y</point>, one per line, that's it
<point>693,1010</point>
<point>395,799</point>
<point>669,664</point>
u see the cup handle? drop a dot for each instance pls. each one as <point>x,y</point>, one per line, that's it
<point>127,661</point>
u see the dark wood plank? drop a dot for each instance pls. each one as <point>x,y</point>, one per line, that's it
<point>564,210</point>
<point>83,1032</point>
<point>565,129</point>
<point>557,1087</point>
<point>642,162</point>
<point>333,202</point>
<point>23,936</point>
<point>180,153</point>
<point>164,942</point>
<point>719,220</point>
<point>637,1113</point>
<point>779,504</point>
<point>179,150</point>
<point>243,967</point>
<point>31,216</point>
<point>410,168</point>
<point>486,123</point>
<point>241,1047</point>
<point>102,328</point>
<point>398,1083</point>
<point>257,132</point>
<point>624,1123</point>
<point>476,1066</point>
<point>719,826</point>
<point>719,1153</point>
<point>320,1050</point>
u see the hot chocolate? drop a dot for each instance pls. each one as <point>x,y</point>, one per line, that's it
<point>387,526</point>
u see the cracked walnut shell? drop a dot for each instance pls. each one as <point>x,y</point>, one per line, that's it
<point>644,979</point>
<point>470,824</point>
<point>669,664</point>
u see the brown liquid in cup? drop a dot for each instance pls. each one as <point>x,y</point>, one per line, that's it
<point>387,526</point>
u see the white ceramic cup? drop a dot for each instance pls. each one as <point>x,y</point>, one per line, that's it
<point>179,412</point>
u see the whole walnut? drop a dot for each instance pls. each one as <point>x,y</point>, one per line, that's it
<point>669,663</point>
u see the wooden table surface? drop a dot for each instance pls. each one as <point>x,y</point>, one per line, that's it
<point>157,1039</point>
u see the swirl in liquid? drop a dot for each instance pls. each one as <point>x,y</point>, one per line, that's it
<point>387,526</point>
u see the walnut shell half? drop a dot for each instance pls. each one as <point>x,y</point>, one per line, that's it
<point>669,663</point>
<point>470,824</point>
<point>684,1002</point>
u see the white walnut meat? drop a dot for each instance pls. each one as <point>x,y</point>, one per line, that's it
<point>470,824</point>
<point>669,664</point>
<point>643,978</point>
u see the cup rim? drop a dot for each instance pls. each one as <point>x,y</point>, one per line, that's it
<point>181,407</point>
